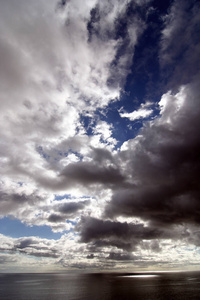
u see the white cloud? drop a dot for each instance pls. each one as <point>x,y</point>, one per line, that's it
<point>141,113</point>
<point>51,73</point>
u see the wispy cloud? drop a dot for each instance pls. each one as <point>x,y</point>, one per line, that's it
<point>137,114</point>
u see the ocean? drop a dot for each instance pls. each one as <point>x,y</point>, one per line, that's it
<point>101,286</point>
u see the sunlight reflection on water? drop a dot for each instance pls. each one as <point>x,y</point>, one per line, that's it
<point>140,276</point>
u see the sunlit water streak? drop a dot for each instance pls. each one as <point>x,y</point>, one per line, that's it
<point>145,286</point>
<point>140,276</point>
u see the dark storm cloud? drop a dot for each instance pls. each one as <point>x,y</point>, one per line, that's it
<point>87,173</point>
<point>72,207</point>
<point>54,218</point>
<point>165,164</point>
<point>180,47</point>
<point>66,210</point>
<point>119,243</point>
<point>126,236</point>
<point>121,256</point>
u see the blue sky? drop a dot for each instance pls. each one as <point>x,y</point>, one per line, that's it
<point>16,229</point>
<point>99,135</point>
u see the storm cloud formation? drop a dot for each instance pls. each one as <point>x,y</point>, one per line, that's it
<point>100,121</point>
<point>124,236</point>
<point>165,164</point>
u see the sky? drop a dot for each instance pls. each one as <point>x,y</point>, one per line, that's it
<point>99,147</point>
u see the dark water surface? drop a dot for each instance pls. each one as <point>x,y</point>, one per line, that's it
<point>146,286</point>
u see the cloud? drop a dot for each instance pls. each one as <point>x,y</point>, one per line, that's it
<point>66,210</point>
<point>121,256</point>
<point>88,173</point>
<point>121,235</point>
<point>17,199</point>
<point>163,164</point>
<point>137,114</point>
<point>4,259</point>
<point>52,73</point>
<point>54,218</point>
<point>179,60</point>
<point>67,253</point>
<point>72,207</point>
<point>34,246</point>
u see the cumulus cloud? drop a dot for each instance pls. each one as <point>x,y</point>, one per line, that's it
<point>66,210</point>
<point>120,256</point>
<point>56,66</point>
<point>164,165</point>
<point>89,173</point>
<point>33,246</point>
<point>125,235</point>
<point>137,114</point>
<point>21,200</point>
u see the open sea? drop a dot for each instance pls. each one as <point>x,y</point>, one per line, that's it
<point>101,286</point>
